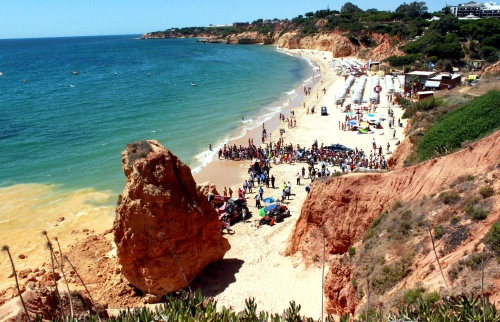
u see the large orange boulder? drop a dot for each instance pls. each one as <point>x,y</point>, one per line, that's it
<point>164,226</point>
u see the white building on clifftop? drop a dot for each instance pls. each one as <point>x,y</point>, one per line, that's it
<point>474,10</point>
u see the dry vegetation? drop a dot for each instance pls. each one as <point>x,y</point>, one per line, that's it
<point>398,242</point>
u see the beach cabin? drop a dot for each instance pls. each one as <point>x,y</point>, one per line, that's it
<point>357,95</point>
<point>424,94</point>
<point>389,84</point>
<point>477,64</point>
<point>444,81</point>
<point>415,81</point>
<point>374,96</point>
<point>342,93</point>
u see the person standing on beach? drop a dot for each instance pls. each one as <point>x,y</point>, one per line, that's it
<point>261,192</point>
<point>298,179</point>
<point>244,214</point>
<point>225,192</point>
<point>257,201</point>
<point>272,181</point>
<point>230,192</point>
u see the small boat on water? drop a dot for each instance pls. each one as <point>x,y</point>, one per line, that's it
<point>193,84</point>
<point>76,73</point>
<point>1,74</point>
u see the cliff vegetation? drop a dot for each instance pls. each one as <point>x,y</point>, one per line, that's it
<point>417,38</point>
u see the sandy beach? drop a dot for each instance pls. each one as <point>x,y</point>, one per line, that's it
<point>256,255</point>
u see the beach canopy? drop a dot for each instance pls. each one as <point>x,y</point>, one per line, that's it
<point>371,115</point>
<point>352,122</point>
<point>263,211</point>
<point>269,200</point>
<point>364,124</point>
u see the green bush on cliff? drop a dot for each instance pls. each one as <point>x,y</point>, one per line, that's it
<point>493,237</point>
<point>472,121</point>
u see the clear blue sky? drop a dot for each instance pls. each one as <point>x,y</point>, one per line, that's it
<point>59,18</point>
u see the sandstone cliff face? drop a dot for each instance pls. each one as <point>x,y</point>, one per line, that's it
<point>385,47</point>
<point>342,208</point>
<point>162,218</point>
<point>248,38</point>
<point>335,42</point>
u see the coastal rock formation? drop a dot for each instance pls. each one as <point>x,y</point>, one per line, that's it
<point>248,38</point>
<point>41,302</point>
<point>163,222</point>
<point>341,209</point>
<point>340,293</point>
<point>385,47</point>
<point>372,45</point>
<point>335,42</point>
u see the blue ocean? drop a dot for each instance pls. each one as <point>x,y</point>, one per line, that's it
<point>69,106</point>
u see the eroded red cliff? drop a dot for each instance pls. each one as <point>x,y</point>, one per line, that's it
<point>163,223</point>
<point>342,208</point>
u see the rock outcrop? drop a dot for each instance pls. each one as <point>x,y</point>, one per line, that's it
<point>283,36</point>
<point>491,70</point>
<point>163,223</point>
<point>341,209</point>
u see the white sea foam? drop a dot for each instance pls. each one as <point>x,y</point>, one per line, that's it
<point>208,156</point>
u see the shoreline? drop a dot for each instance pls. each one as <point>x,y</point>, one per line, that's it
<point>229,170</point>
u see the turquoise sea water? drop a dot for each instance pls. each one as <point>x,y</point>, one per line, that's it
<point>61,134</point>
<point>68,130</point>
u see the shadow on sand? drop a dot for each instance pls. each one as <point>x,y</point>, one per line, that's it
<point>216,277</point>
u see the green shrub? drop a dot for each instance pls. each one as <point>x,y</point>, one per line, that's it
<point>493,237</point>
<point>449,197</point>
<point>390,275</point>
<point>352,251</point>
<point>486,191</point>
<point>431,297</point>
<point>479,213</point>
<point>438,232</point>
<point>472,121</point>
<point>397,204</point>
<point>412,295</point>
<point>470,204</point>
<point>354,283</point>
<point>474,261</point>
<point>423,105</point>
<point>375,222</point>
<point>451,308</point>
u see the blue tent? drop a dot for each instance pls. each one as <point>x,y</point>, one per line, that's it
<point>269,200</point>
<point>264,210</point>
